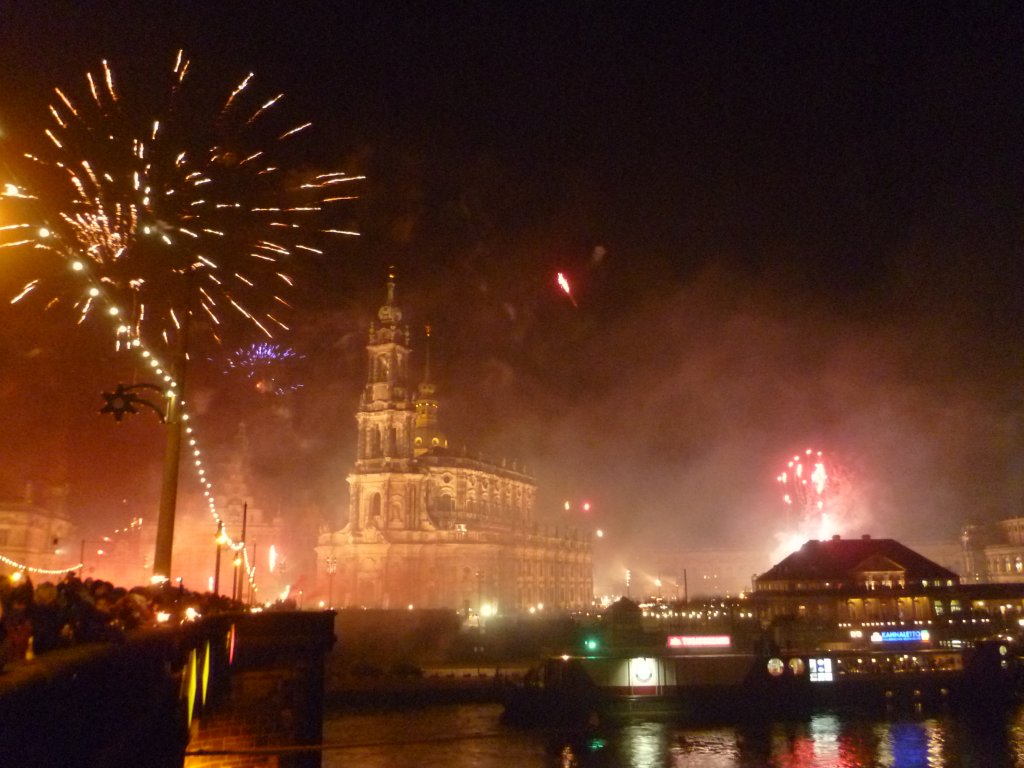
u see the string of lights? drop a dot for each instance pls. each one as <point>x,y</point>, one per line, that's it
<point>32,569</point>
<point>129,339</point>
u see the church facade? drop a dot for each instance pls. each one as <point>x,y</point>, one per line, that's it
<point>431,528</point>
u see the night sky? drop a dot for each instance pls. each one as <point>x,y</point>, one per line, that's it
<point>787,226</point>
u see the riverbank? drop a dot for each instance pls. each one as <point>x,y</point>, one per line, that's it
<point>443,685</point>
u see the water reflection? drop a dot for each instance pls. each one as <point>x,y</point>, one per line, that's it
<point>471,735</point>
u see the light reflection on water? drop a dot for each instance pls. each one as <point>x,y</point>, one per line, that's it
<point>471,736</point>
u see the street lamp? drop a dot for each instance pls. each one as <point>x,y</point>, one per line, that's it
<point>221,541</point>
<point>172,456</point>
<point>332,567</point>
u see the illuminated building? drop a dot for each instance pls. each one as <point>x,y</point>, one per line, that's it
<point>37,536</point>
<point>865,579</point>
<point>994,554</point>
<point>431,527</point>
<point>852,590</point>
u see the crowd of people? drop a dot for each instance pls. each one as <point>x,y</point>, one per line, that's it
<point>38,619</point>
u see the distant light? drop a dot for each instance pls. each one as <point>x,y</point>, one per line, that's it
<point>600,533</point>
<point>162,616</point>
<point>586,506</point>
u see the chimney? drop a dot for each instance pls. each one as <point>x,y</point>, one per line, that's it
<point>866,536</point>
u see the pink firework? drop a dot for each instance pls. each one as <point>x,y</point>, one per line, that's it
<point>811,482</point>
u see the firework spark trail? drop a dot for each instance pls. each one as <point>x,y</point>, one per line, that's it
<point>158,209</point>
<point>563,283</point>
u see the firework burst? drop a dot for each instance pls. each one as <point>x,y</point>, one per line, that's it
<point>190,212</point>
<point>809,481</point>
<point>266,366</point>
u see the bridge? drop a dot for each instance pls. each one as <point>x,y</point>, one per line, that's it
<point>237,689</point>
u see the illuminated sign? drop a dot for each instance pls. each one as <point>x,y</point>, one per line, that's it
<point>699,641</point>
<point>901,636</point>
<point>820,670</point>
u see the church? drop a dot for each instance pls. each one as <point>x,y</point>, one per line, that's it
<point>432,528</point>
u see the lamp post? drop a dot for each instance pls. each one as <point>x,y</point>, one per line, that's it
<point>332,567</point>
<point>216,568</point>
<point>236,586</point>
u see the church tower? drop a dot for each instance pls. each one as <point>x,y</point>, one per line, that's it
<point>385,417</point>
<point>428,434</point>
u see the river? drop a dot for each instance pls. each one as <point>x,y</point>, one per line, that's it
<point>471,736</point>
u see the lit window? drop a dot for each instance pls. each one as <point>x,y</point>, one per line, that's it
<point>821,670</point>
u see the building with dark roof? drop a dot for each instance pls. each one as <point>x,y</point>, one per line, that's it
<point>863,563</point>
<point>842,590</point>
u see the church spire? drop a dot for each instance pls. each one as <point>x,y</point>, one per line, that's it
<point>389,313</point>
<point>428,432</point>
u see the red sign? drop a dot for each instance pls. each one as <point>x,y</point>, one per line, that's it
<point>699,641</point>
